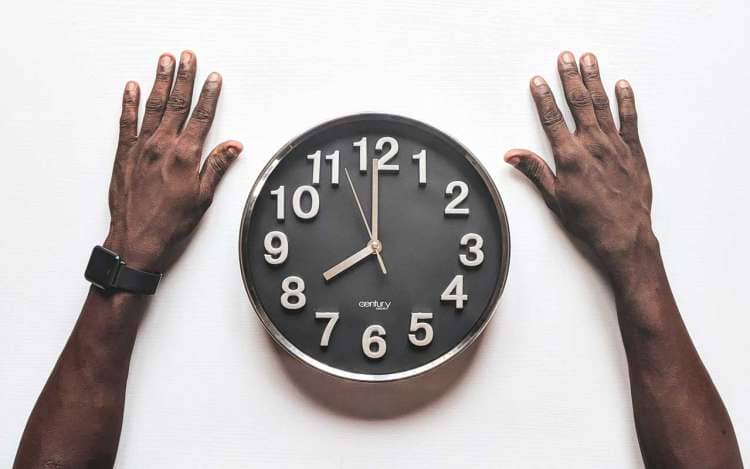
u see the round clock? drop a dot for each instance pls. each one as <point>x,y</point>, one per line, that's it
<point>374,247</point>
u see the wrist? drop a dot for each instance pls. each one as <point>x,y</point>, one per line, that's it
<point>640,263</point>
<point>133,256</point>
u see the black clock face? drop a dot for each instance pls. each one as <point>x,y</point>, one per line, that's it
<point>374,247</point>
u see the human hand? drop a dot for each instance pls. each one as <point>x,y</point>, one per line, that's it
<point>602,189</point>
<point>159,191</point>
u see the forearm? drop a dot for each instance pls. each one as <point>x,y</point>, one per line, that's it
<point>680,418</point>
<point>77,418</point>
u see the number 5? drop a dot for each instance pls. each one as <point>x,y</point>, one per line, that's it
<point>416,326</point>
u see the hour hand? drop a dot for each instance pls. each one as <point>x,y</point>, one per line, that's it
<point>348,262</point>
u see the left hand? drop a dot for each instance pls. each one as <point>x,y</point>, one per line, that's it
<point>159,191</point>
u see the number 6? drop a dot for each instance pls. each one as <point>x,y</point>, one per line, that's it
<point>372,336</point>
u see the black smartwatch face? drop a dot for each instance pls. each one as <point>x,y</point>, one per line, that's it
<point>102,267</point>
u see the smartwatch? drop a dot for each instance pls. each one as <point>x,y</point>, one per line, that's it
<point>107,271</point>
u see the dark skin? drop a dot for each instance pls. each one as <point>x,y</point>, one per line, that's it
<point>158,194</point>
<point>601,193</point>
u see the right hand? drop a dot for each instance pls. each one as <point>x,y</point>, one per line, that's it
<point>602,190</point>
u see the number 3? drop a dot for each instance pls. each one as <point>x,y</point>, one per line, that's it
<point>475,250</point>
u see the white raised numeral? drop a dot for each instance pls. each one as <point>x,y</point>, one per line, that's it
<point>315,158</point>
<point>334,159</point>
<point>463,192</point>
<point>292,288</point>
<point>475,249</point>
<point>278,193</point>
<point>332,320</point>
<point>455,292</point>
<point>362,145</point>
<point>421,157</point>
<point>373,337</point>
<point>276,254</point>
<point>417,326</point>
<point>392,143</point>
<point>314,202</point>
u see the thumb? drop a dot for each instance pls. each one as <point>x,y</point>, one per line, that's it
<point>216,164</point>
<point>538,172</point>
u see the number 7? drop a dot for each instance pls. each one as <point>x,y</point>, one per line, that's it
<point>332,320</point>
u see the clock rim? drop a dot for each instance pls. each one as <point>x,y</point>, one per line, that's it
<point>484,317</point>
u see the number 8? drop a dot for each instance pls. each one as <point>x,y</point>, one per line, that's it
<point>296,292</point>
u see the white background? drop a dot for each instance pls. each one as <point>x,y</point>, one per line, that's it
<point>545,387</point>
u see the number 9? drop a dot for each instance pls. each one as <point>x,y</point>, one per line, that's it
<point>276,254</point>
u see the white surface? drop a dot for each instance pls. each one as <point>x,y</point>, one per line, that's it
<point>547,385</point>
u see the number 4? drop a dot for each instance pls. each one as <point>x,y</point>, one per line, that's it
<point>455,292</point>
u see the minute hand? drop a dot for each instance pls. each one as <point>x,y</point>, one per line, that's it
<point>374,215</point>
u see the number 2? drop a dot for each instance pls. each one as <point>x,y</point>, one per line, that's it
<point>463,193</point>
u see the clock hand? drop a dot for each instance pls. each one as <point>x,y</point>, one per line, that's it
<point>375,209</point>
<point>356,199</point>
<point>374,205</point>
<point>364,220</point>
<point>350,261</point>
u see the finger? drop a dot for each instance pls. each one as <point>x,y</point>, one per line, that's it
<point>538,172</point>
<point>549,114</point>
<point>128,118</point>
<point>628,116</point>
<point>178,104</point>
<point>216,165</point>
<point>578,97</point>
<point>203,114</point>
<point>593,82</point>
<point>157,100</point>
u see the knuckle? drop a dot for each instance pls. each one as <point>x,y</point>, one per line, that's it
<point>184,73</point>
<point>532,169</point>
<point>163,77</point>
<point>154,149</point>
<point>591,74</point>
<point>127,139</point>
<point>579,98</point>
<point>599,99</point>
<point>628,114</point>
<point>202,113</point>
<point>569,72</point>
<point>178,103</point>
<point>218,164</point>
<point>129,100</point>
<point>126,121</point>
<point>154,105</point>
<point>551,117</point>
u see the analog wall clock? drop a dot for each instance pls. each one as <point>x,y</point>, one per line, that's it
<point>374,247</point>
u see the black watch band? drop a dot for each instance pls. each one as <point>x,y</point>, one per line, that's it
<point>107,271</point>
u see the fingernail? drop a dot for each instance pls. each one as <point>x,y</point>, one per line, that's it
<point>567,58</point>
<point>589,60</point>
<point>235,149</point>
<point>131,86</point>
<point>538,81</point>
<point>185,57</point>
<point>513,161</point>
<point>623,84</point>
<point>213,80</point>
<point>165,60</point>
